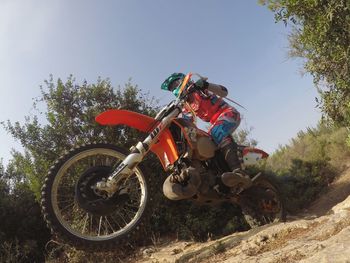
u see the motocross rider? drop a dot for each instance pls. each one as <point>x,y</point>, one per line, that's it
<point>207,103</point>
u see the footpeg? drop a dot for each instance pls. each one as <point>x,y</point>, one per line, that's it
<point>236,179</point>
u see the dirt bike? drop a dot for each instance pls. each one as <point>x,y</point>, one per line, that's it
<point>98,196</point>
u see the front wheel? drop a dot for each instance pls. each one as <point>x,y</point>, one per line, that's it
<point>263,203</point>
<point>80,215</point>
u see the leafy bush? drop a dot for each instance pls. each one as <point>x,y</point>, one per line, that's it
<point>310,163</point>
<point>304,182</point>
<point>193,222</point>
<point>23,234</point>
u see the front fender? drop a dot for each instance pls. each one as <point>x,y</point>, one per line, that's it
<point>164,148</point>
<point>124,117</point>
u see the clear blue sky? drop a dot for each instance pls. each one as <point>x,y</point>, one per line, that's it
<point>234,43</point>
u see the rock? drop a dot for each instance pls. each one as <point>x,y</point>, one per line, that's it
<point>176,251</point>
<point>313,237</point>
<point>148,251</point>
<point>345,205</point>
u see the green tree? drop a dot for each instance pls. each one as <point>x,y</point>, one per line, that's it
<point>243,136</point>
<point>309,163</point>
<point>3,193</point>
<point>65,117</point>
<point>68,111</point>
<point>321,35</point>
<point>23,234</point>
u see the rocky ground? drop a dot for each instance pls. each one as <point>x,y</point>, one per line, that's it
<point>320,234</point>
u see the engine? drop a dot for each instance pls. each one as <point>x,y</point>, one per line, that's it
<point>192,142</point>
<point>190,179</point>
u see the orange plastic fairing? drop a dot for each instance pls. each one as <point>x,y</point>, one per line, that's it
<point>124,117</point>
<point>165,147</point>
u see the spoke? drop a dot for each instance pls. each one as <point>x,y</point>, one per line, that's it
<point>66,200</point>
<point>134,189</point>
<point>109,161</point>
<point>109,224</point>
<point>133,184</point>
<point>72,175</point>
<point>85,221</point>
<point>115,221</point>
<point>75,218</point>
<point>134,199</point>
<point>99,226</point>
<point>132,206</point>
<point>90,161</point>
<point>130,210</point>
<point>122,218</point>
<point>65,195</point>
<point>133,181</point>
<point>66,207</point>
<point>78,219</point>
<point>130,213</point>
<point>91,231</point>
<point>77,214</point>
<point>66,187</point>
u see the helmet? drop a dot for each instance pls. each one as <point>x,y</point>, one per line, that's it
<point>173,83</point>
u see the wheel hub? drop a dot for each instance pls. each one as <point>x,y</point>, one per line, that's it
<point>90,198</point>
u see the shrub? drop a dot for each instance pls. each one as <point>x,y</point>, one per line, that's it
<point>310,163</point>
<point>193,222</point>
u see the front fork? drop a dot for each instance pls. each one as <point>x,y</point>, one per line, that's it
<point>136,155</point>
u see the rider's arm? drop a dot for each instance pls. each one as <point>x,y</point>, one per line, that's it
<point>218,90</point>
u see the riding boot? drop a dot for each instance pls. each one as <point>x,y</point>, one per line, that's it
<point>236,177</point>
<point>231,156</point>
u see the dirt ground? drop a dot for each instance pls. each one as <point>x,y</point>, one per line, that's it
<point>337,192</point>
<point>320,234</point>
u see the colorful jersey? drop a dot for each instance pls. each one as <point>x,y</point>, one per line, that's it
<point>210,108</point>
<point>205,105</point>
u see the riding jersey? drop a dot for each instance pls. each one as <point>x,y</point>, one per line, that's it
<point>210,108</point>
<point>206,105</point>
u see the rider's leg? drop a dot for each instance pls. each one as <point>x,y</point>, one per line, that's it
<point>221,131</point>
<point>230,153</point>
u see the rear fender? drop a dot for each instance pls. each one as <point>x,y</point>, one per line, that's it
<point>164,148</point>
<point>252,156</point>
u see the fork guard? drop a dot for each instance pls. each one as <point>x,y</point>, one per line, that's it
<point>164,148</point>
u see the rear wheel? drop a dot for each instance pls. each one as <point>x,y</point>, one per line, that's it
<point>86,218</point>
<point>263,203</point>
